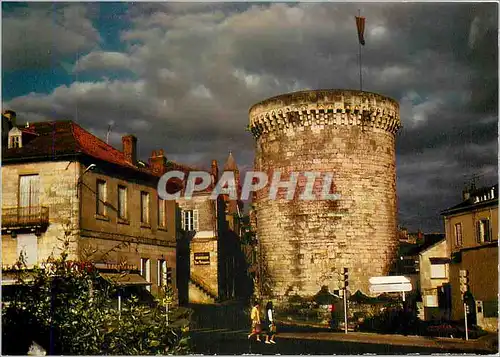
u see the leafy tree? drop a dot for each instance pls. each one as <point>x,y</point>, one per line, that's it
<point>69,309</point>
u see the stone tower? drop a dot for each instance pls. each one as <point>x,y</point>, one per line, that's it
<point>306,244</point>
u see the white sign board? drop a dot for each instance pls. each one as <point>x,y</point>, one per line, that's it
<point>388,280</point>
<point>390,288</point>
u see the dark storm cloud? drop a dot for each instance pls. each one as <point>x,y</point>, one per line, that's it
<point>200,66</point>
<point>41,36</point>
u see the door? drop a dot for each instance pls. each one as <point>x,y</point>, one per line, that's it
<point>27,245</point>
<point>29,196</point>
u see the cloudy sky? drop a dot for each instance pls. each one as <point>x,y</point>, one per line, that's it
<point>182,76</point>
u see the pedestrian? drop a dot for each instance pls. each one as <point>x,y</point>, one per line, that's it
<point>271,326</point>
<point>333,320</point>
<point>255,319</point>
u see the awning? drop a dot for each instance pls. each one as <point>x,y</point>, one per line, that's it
<point>11,278</point>
<point>125,279</point>
<point>439,260</point>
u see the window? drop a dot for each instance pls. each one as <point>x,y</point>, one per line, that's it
<point>146,271</point>
<point>190,220</point>
<point>483,233</point>
<point>431,301</point>
<point>122,202</point>
<point>162,213</point>
<point>145,207</point>
<point>27,245</point>
<point>15,142</point>
<point>101,198</point>
<point>15,136</point>
<point>458,234</point>
<point>29,190</point>
<point>162,272</point>
<point>438,271</point>
<point>169,276</point>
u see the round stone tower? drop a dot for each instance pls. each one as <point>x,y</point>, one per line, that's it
<point>306,244</point>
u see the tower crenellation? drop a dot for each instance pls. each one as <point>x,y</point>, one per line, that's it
<point>325,107</point>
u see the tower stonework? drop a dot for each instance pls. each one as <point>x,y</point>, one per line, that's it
<point>306,244</point>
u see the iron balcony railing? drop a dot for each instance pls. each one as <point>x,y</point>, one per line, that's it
<point>25,217</point>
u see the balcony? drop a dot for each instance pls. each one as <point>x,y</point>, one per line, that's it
<point>25,217</point>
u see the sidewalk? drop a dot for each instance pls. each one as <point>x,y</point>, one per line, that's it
<point>481,344</point>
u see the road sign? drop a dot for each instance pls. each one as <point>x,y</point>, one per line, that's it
<point>390,288</point>
<point>376,280</point>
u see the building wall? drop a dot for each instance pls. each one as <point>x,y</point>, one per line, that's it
<point>468,221</point>
<point>305,244</point>
<point>204,241</point>
<point>481,260</point>
<point>116,240</point>
<point>428,285</point>
<point>57,192</point>
<point>131,253</point>
<point>482,264</point>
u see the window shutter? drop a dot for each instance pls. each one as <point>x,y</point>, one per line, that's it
<point>195,220</point>
<point>478,231</point>
<point>183,219</point>
<point>486,228</point>
<point>158,273</point>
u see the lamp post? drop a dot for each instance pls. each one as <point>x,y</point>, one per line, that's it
<point>89,168</point>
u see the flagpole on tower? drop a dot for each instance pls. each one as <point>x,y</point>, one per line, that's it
<point>360,24</point>
<point>360,63</point>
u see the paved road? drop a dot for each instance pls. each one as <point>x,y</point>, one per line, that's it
<point>235,342</point>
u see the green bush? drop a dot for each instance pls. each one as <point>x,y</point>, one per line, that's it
<point>68,310</point>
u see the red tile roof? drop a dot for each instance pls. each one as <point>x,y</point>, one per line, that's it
<point>57,138</point>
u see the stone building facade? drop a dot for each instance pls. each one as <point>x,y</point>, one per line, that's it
<point>210,251</point>
<point>306,244</point>
<point>434,284</point>
<point>61,182</point>
<point>471,229</point>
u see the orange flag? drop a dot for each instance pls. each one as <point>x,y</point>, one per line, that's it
<point>360,24</point>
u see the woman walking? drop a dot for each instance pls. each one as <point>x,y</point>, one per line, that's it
<point>271,327</point>
<point>255,318</point>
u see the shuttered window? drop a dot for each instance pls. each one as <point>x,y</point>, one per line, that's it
<point>458,234</point>
<point>162,213</point>
<point>162,272</point>
<point>101,198</point>
<point>190,220</point>
<point>146,271</point>
<point>29,190</point>
<point>483,233</point>
<point>122,202</point>
<point>145,207</point>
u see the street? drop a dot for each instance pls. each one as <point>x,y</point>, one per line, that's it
<point>235,342</point>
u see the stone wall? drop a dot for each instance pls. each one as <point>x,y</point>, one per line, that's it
<point>72,213</point>
<point>205,240</point>
<point>58,193</point>
<point>126,240</point>
<point>306,244</point>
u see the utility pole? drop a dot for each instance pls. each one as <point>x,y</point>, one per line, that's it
<point>464,288</point>
<point>346,284</point>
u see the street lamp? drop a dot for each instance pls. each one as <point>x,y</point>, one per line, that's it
<point>89,168</point>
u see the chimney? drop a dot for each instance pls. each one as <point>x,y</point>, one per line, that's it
<point>130,148</point>
<point>158,162</point>
<point>465,194</point>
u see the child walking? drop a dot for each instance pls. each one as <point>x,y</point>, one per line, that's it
<point>255,319</point>
<point>271,327</point>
